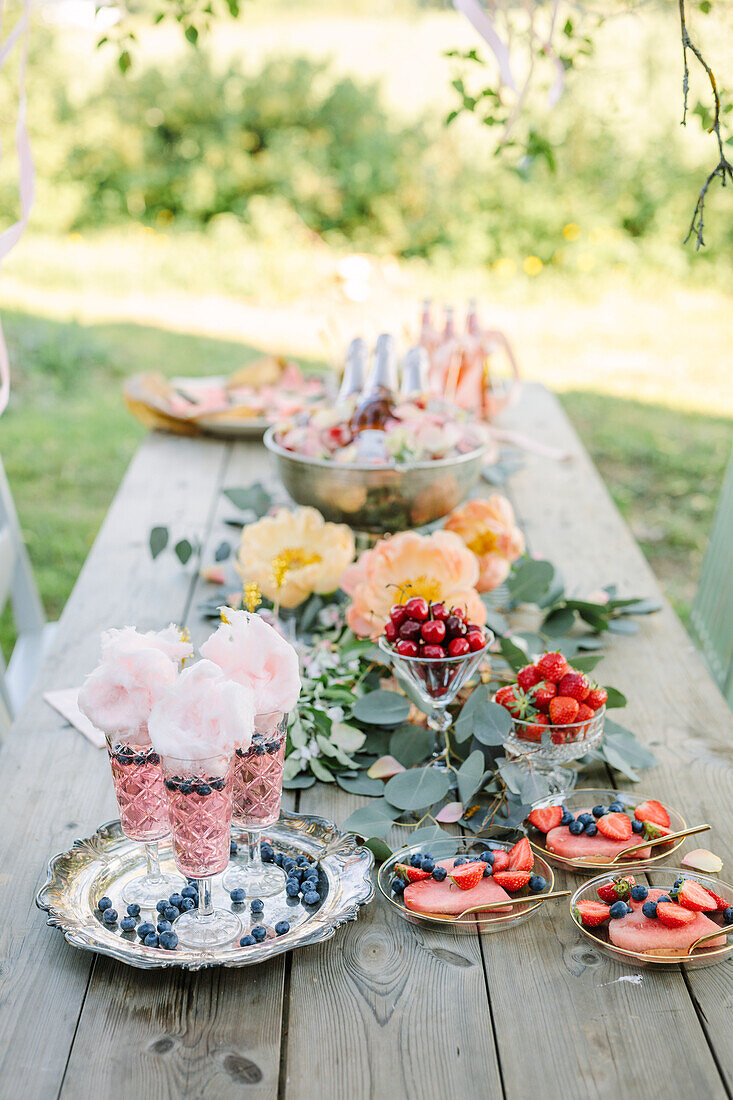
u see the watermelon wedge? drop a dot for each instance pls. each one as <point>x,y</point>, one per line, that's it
<point>596,848</point>
<point>635,932</point>
<point>445,899</point>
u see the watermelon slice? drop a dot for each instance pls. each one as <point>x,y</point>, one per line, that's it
<point>635,932</point>
<point>445,899</point>
<point>598,848</point>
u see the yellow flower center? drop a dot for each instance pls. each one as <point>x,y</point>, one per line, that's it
<point>289,559</point>
<point>425,586</point>
<point>252,596</point>
<point>484,543</point>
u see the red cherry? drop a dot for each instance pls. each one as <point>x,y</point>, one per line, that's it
<point>473,628</point>
<point>438,611</point>
<point>459,612</point>
<point>475,639</point>
<point>410,630</point>
<point>406,649</point>
<point>458,647</point>
<point>433,652</point>
<point>397,614</point>
<point>391,633</point>
<point>454,626</point>
<point>417,608</point>
<point>433,631</point>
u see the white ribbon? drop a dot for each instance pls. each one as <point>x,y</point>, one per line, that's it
<point>484,24</point>
<point>26,180</point>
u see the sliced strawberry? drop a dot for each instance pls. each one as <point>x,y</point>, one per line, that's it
<point>520,856</point>
<point>591,913</point>
<point>412,874</point>
<point>467,875</point>
<point>653,812</point>
<point>720,903</point>
<point>674,916</point>
<point>501,860</point>
<point>618,890</point>
<point>652,832</point>
<point>694,896</point>
<point>615,826</point>
<point>512,880</point>
<point>546,818</point>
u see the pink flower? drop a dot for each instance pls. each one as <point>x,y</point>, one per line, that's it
<point>489,530</point>
<point>202,714</point>
<point>253,653</point>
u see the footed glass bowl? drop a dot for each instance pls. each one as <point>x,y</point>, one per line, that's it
<point>545,750</point>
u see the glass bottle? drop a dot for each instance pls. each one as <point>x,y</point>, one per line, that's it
<point>376,403</point>
<point>352,382</point>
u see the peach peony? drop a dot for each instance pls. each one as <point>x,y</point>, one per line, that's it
<point>290,555</point>
<point>490,531</point>
<point>437,566</point>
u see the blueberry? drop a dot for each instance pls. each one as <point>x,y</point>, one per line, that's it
<point>247,941</point>
<point>171,912</point>
<point>585,819</point>
<point>151,940</point>
<point>428,855</point>
<point>170,785</point>
<point>728,915</point>
<point>312,898</point>
<point>591,829</point>
<point>238,895</point>
<point>127,924</point>
<point>186,904</point>
<point>203,789</point>
<point>292,888</point>
<point>164,926</point>
<point>189,892</point>
<point>297,874</point>
<point>566,818</point>
<point>109,916</point>
<point>104,903</point>
<point>139,759</point>
<point>169,940</point>
<point>175,900</point>
<point>186,788</point>
<point>282,927</point>
<point>618,910</point>
<point>161,905</point>
<point>488,871</point>
<point>133,910</point>
<point>398,885</point>
<point>649,909</point>
<point>145,929</point>
<point>256,905</point>
<point>537,884</point>
<point>639,893</point>
<point>678,882</point>
<point>279,859</point>
<point>259,933</point>
<point>460,861</point>
<point>440,874</point>
<point>153,758</point>
<point>303,861</point>
<point>599,811</point>
<point>268,853</point>
<point>637,826</point>
<point>428,865</point>
<point>576,827</point>
<point>664,897</point>
<point>233,848</point>
<point>616,808</point>
<point>288,863</point>
<point>487,857</point>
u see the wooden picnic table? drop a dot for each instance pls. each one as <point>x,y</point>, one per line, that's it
<point>384,1008</point>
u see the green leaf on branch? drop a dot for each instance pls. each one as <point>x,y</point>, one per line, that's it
<point>615,698</point>
<point>512,654</point>
<point>534,787</point>
<point>463,729</point>
<point>586,663</point>
<point>470,775</point>
<point>299,782</point>
<point>559,622</point>
<point>529,582</point>
<point>381,708</point>
<point>255,498</point>
<point>375,819</point>
<point>416,789</point>
<point>347,737</point>
<point>320,771</point>
<point>361,784</point>
<point>158,541</point>
<point>496,621</point>
<point>426,834</point>
<point>411,744</point>
<point>183,551</point>
<point>638,607</point>
<point>492,724</point>
<point>378,848</point>
<point>623,626</point>
<point>618,761</point>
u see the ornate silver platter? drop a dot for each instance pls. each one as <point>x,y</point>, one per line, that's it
<point>101,864</point>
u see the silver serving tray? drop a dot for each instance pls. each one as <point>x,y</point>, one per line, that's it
<point>101,864</point>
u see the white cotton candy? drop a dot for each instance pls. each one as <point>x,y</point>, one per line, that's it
<point>169,641</point>
<point>202,714</point>
<point>121,691</point>
<point>253,653</point>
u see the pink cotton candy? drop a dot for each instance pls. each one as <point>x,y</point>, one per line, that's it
<point>253,653</point>
<point>121,691</point>
<point>202,714</point>
<point>169,641</point>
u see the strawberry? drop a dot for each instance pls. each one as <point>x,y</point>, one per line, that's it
<point>559,737</point>
<point>513,699</point>
<point>520,856</point>
<point>618,890</point>
<point>596,697</point>
<point>615,826</point>
<point>674,916</point>
<point>532,731</point>
<point>542,693</point>
<point>653,812</point>
<point>575,685</point>
<point>694,896</point>
<point>553,666</point>
<point>720,903</point>
<point>467,875</point>
<point>528,676</point>
<point>412,874</point>
<point>591,913</point>
<point>545,818</point>
<point>563,711</point>
<point>501,860</point>
<point>512,880</point>
<point>585,713</point>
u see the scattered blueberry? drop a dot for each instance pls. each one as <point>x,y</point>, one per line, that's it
<point>649,909</point>
<point>238,895</point>
<point>233,848</point>
<point>175,900</point>
<point>169,940</point>
<point>487,856</point>
<point>618,909</point>
<point>259,933</point>
<point>247,941</point>
<point>678,882</point>
<point>268,853</point>
<point>288,864</point>
<point>292,888</point>
<point>312,898</point>
<point>303,861</point>
<point>664,897</point>
<point>639,893</point>
<point>416,859</point>
<point>566,818</point>
<point>460,861</point>
<point>591,829</point>
<point>190,892</point>
<point>133,910</point>
<point>164,926</point>
<point>127,924</point>
<point>440,874</point>
<point>171,912</point>
<point>586,819</point>
<point>616,808</point>
<point>637,826</point>
<point>145,929</point>
<point>728,915</point>
<point>279,859</point>
<point>282,927</point>
<point>398,885</point>
<point>104,903</point>
<point>599,811</point>
<point>537,884</point>
<point>186,904</point>
<point>109,916</point>
<point>151,940</point>
<point>576,827</point>
<point>256,905</point>
<point>161,905</point>
<point>428,865</point>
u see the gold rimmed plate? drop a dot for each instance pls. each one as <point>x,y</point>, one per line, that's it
<point>584,799</point>
<point>470,922</point>
<point>661,878</point>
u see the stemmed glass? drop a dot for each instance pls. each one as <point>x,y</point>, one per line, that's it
<point>138,781</point>
<point>435,682</point>
<point>544,750</point>
<point>258,785</point>
<point>199,794</point>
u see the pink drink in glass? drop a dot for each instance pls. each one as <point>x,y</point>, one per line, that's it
<point>138,780</point>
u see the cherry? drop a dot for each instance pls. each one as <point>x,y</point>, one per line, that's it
<point>397,614</point>
<point>458,647</point>
<point>454,626</point>
<point>406,649</point>
<point>472,628</point>
<point>433,652</point>
<point>438,611</point>
<point>391,633</point>
<point>410,630</point>
<point>475,640</point>
<point>433,631</point>
<point>459,612</point>
<point>417,608</point>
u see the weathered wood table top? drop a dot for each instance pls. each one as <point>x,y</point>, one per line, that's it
<point>384,1008</point>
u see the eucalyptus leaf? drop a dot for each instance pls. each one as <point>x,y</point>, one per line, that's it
<point>223,551</point>
<point>512,653</point>
<point>513,775</point>
<point>347,737</point>
<point>298,736</point>
<point>255,498</point>
<point>615,698</point>
<point>587,663</point>
<point>492,724</point>
<point>623,626</point>
<point>411,744</point>
<point>617,760</point>
<point>378,848</point>
<point>559,622</point>
<point>463,728</point>
<point>496,622</point>
<point>374,819</point>
<point>381,708</point>
<point>426,834</point>
<point>530,581</point>
<point>183,551</point>
<point>470,775</point>
<point>534,787</point>
<point>638,607</point>
<point>588,641</point>
<point>299,783</point>
<point>417,788</point>
<point>292,766</point>
<point>320,770</point>
<point>158,541</point>
<point>361,784</point>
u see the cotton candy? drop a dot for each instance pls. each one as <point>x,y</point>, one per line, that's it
<point>169,641</point>
<point>121,691</point>
<point>202,714</point>
<point>253,653</point>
